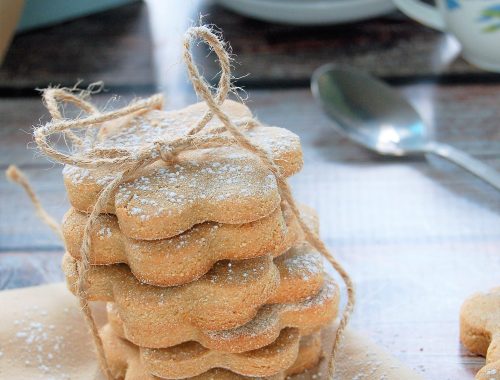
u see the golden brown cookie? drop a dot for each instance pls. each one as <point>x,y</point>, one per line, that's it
<point>186,257</point>
<point>301,273</point>
<point>191,358</point>
<point>135,131</point>
<point>227,297</point>
<point>224,185</point>
<point>125,360</point>
<point>308,316</point>
<point>480,330</point>
<point>310,353</point>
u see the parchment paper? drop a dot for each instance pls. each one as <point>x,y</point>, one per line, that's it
<point>43,336</point>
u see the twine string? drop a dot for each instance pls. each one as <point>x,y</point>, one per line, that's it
<point>127,162</point>
<point>224,86</point>
<point>15,175</point>
<point>202,89</point>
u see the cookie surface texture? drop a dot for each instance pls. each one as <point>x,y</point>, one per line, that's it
<point>185,257</point>
<point>125,360</point>
<point>224,185</point>
<point>230,298</point>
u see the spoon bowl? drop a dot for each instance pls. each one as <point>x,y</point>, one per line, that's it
<point>377,117</point>
<point>369,111</point>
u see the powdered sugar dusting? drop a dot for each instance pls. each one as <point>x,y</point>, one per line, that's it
<point>274,140</point>
<point>327,294</point>
<point>105,232</point>
<point>199,178</point>
<point>160,125</point>
<point>302,261</point>
<point>269,317</point>
<point>78,176</point>
<point>41,344</point>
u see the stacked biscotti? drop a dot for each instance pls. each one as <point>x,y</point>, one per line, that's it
<point>204,268</point>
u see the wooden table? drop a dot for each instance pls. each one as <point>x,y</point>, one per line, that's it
<point>418,235</point>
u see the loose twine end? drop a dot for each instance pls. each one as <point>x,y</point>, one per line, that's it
<point>125,163</point>
<point>17,176</point>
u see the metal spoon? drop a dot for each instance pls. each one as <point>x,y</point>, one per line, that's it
<point>377,117</point>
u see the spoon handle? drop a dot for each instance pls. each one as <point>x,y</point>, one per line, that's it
<point>476,167</point>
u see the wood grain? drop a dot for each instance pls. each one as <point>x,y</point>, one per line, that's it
<point>21,269</point>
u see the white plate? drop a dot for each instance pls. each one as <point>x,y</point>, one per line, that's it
<point>309,12</point>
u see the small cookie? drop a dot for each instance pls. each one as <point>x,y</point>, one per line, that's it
<point>480,330</point>
<point>191,358</point>
<point>225,185</point>
<point>125,361</point>
<point>308,316</point>
<point>226,297</point>
<point>135,131</point>
<point>185,257</point>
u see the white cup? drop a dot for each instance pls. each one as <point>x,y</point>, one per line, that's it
<point>475,23</point>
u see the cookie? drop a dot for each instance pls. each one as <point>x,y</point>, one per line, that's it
<point>125,360</point>
<point>228,296</point>
<point>310,353</point>
<point>135,131</point>
<point>185,257</point>
<point>301,273</point>
<point>308,316</point>
<point>480,330</point>
<point>139,129</point>
<point>226,185</point>
<point>191,358</point>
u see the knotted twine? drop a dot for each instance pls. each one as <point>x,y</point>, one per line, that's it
<point>126,162</point>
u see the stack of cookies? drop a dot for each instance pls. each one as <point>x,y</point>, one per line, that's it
<point>204,268</point>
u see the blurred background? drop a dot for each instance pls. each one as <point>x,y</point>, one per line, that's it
<point>418,234</point>
<point>135,45</point>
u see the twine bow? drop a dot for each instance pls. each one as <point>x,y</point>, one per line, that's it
<point>126,162</point>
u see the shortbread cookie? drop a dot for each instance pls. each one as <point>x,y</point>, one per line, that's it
<point>191,358</point>
<point>237,289</point>
<point>480,330</point>
<point>185,257</point>
<point>308,316</point>
<point>226,297</point>
<point>125,362</point>
<point>147,127</point>
<point>301,274</point>
<point>224,185</point>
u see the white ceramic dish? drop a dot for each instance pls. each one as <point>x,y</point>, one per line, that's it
<point>309,12</point>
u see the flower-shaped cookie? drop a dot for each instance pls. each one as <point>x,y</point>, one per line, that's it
<point>185,257</point>
<point>125,360</point>
<point>225,185</point>
<point>227,297</point>
<point>307,316</point>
